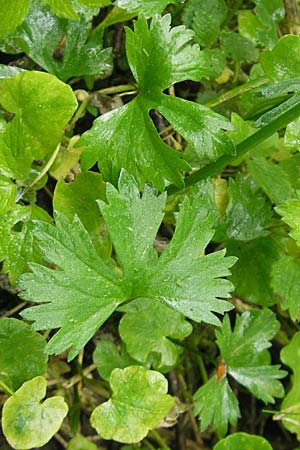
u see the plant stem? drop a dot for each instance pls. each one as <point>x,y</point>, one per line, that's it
<point>202,369</point>
<point>235,92</point>
<point>148,445</point>
<point>159,440</point>
<point>117,89</point>
<point>6,388</point>
<point>243,147</point>
<point>46,167</point>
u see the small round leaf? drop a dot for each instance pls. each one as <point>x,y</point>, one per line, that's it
<point>138,404</point>
<point>243,441</point>
<point>28,423</point>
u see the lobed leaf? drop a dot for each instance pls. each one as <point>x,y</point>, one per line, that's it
<point>138,404</point>
<point>26,421</point>
<point>86,290</point>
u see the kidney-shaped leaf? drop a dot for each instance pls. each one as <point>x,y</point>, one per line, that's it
<point>138,404</point>
<point>39,102</point>
<point>28,423</point>
<point>243,441</point>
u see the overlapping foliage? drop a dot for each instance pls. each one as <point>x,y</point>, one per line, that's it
<point>150,223</point>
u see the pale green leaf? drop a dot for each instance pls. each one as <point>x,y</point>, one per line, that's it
<point>22,355</point>
<point>8,191</point>
<point>286,284</point>
<point>12,14</point>
<point>243,441</point>
<point>144,332</point>
<point>62,8</point>
<point>28,422</point>
<point>37,100</point>
<point>138,404</point>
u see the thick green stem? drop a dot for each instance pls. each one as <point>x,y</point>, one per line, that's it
<point>243,147</point>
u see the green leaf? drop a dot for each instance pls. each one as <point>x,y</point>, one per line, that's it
<point>245,358</point>
<point>138,404</point>
<point>243,441</point>
<point>204,17</point>
<point>144,332</point>
<point>283,61</point>
<point>79,198</point>
<point>63,47</point>
<point>238,48</point>
<point>178,59</point>
<point>216,405</point>
<point>37,100</point>
<point>244,353</point>
<point>250,27</point>
<point>182,278</point>
<point>147,7</point>
<point>200,127</point>
<point>290,212</point>
<point>158,57</point>
<point>137,148</point>
<point>290,407</point>
<point>17,240</point>
<point>62,8</point>
<point>11,15</point>
<point>8,192</point>
<point>26,421</point>
<point>107,357</point>
<point>97,294</point>
<point>22,354</point>
<point>81,443</point>
<point>251,275</point>
<point>292,134</point>
<point>265,172</point>
<point>270,11</point>
<point>9,71</point>
<point>286,284</point>
<point>248,213</point>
